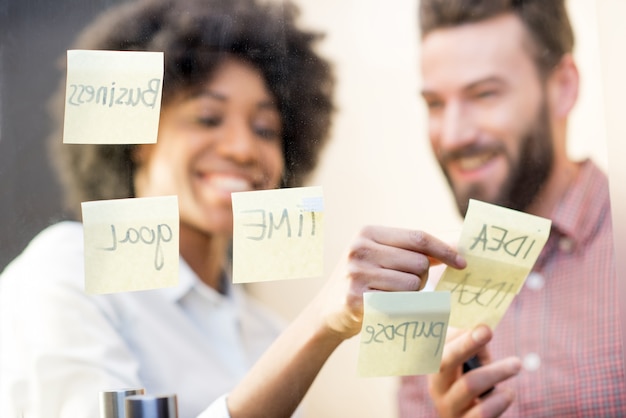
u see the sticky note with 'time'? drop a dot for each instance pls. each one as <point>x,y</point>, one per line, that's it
<point>501,246</point>
<point>278,234</point>
<point>131,244</point>
<point>112,97</point>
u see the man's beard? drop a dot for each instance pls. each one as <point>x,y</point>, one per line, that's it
<point>528,174</point>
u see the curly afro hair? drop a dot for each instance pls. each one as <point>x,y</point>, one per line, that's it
<point>195,36</point>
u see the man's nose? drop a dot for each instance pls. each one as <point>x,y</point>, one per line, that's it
<point>457,127</point>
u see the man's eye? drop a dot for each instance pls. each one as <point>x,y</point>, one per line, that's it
<point>485,94</point>
<point>434,104</point>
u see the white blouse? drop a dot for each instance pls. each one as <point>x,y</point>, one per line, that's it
<point>60,347</point>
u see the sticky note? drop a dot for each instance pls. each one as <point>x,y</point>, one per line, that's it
<point>403,333</point>
<point>131,244</point>
<point>278,234</point>
<point>501,246</point>
<point>112,97</point>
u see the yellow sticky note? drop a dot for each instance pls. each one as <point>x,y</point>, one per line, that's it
<point>501,246</point>
<point>131,244</point>
<point>403,333</point>
<point>278,234</point>
<point>112,97</point>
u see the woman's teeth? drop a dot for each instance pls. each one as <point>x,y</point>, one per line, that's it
<point>232,184</point>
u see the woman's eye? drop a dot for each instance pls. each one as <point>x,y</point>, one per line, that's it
<point>209,121</point>
<point>267,133</point>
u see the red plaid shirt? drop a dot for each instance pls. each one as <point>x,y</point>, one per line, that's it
<point>564,324</point>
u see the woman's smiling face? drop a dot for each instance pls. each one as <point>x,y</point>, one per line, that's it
<point>224,138</point>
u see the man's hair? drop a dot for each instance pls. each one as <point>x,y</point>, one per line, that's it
<point>195,37</point>
<point>546,21</point>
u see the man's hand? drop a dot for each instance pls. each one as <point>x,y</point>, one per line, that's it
<point>380,259</point>
<point>458,395</point>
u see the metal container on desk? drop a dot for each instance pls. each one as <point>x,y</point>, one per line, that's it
<point>151,406</point>
<point>112,402</point>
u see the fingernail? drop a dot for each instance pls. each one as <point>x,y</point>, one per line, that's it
<point>480,334</point>
<point>460,261</point>
<point>515,364</point>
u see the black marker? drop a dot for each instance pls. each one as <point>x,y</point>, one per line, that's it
<point>474,363</point>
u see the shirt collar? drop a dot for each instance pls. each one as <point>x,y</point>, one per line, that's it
<point>189,281</point>
<point>583,207</point>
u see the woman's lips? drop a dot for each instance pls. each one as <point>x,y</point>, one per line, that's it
<point>229,183</point>
<point>224,184</point>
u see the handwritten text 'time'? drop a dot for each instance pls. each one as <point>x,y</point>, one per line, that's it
<point>498,239</point>
<point>406,331</point>
<point>270,225</point>
<point>144,236</point>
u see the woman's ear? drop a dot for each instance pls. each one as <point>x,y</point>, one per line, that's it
<point>563,86</point>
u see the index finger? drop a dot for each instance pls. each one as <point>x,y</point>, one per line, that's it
<point>418,241</point>
<point>456,351</point>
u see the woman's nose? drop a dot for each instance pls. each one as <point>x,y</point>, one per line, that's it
<point>239,142</point>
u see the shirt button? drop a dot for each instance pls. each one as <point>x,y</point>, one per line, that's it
<point>535,281</point>
<point>531,362</point>
<point>566,245</point>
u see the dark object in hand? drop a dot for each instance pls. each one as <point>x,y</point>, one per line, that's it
<point>471,364</point>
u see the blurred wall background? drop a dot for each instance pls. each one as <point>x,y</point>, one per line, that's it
<point>34,35</point>
<point>377,168</point>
